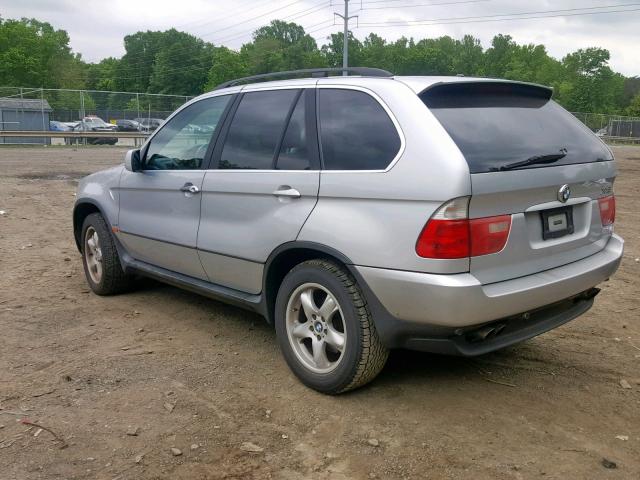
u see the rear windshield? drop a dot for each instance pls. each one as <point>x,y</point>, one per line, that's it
<point>498,124</point>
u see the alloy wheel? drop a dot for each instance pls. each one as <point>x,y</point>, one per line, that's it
<point>93,254</point>
<point>315,327</point>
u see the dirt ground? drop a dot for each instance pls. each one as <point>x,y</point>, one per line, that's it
<point>120,381</point>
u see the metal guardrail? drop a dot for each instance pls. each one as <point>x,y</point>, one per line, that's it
<point>56,134</point>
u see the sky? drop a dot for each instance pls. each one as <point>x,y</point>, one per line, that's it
<point>97,27</point>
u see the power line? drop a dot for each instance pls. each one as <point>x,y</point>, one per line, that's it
<point>473,19</point>
<point>294,16</point>
<point>234,13</point>
<point>184,68</point>
<point>437,21</point>
<point>385,7</point>
<point>252,18</point>
<point>233,36</point>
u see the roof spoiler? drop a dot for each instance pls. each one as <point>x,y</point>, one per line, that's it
<point>488,86</point>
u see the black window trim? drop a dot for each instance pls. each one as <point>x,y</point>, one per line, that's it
<point>221,133</point>
<point>309,98</point>
<point>311,122</point>
<point>212,142</point>
<point>285,127</point>
<point>384,106</point>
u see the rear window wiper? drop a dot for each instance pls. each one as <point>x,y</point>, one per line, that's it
<point>535,160</point>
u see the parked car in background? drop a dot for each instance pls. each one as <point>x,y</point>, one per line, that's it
<point>149,124</point>
<point>125,125</point>
<point>96,124</point>
<point>55,126</point>
<point>358,214</point>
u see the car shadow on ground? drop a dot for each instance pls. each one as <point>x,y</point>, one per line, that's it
<point>403,368</point>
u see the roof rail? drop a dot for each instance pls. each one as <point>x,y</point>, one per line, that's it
<point>313,72</point>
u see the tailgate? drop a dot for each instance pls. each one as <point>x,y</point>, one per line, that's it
<point>529,196</point>
<point>523,151</point>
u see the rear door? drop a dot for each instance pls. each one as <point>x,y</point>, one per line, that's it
<point>262,185</point>
<point>160,205</point>
<point>554,205</point>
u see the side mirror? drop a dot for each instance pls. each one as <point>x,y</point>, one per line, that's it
<point>132,161</point>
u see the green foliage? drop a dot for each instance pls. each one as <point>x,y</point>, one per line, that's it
<point>164,62</point>
<point>103,75</point>
<point>280,46</point>
<point>69,100</point>
<point>181,66</point>
<point>33,53</point>
<point>634,107</point>
<point>226,65</point>
<point>590,85</point>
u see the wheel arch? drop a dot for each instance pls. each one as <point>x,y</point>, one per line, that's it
<point>283,259</point>
<point>81,210</point>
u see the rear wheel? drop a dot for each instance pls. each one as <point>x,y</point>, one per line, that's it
<point>325,330</point>
<point>100,258</point>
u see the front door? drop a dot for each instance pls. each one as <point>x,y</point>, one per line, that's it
<point>160,205</point>
<point>262,185</point>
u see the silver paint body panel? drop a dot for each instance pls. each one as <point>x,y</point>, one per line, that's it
<point>462,300</point>
<point>524,193</point>
<point>225,234</point>
<point>153,210</point>
<point>102,189</point>
<point>243,220</point>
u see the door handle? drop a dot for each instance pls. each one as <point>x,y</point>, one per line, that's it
<point>287,191</point>
<point>189,188</point>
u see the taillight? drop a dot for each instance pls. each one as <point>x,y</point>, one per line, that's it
<point>444,239</point>
<point>450,234</point>
<point>607,210</point>
<point>489,234</point>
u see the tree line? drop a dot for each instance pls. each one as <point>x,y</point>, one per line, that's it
<point>35,54</point>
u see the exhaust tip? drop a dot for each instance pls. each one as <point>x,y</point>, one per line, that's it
<point>587,294</point>
<point>485,333</point>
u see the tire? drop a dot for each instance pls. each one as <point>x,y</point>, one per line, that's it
<point>100,259</point>
<point>320,308</point>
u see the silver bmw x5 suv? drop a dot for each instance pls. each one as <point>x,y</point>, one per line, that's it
<point>365,212</point>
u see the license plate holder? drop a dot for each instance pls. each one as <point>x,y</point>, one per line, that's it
<point>557,222</point>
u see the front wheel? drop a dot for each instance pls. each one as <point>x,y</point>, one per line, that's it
<point>325,330</point>
<point>100,258</point>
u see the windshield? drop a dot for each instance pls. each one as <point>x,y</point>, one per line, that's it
<point>497,124</point>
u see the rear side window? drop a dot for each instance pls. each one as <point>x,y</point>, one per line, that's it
<point>294,151</point>
<point>498,124</point>
<point>256,129</point>
<point>355,131</point>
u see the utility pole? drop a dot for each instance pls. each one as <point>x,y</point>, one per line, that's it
<point>345,38</point>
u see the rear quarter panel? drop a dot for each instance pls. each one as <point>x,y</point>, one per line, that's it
<point>375,217</point>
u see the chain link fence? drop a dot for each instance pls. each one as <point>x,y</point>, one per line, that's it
<point>612,127</point>
<point>74,105</point>
<point>40,109</point>
<point>37,109</point>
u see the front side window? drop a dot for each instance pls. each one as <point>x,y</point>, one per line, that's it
<point>256,129</point>
<point>356,132</point>
<point>182,142</point>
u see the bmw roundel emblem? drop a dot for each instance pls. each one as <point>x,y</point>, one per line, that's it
<point>564,193</point>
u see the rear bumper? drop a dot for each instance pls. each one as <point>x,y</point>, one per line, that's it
<point>412,304</point>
